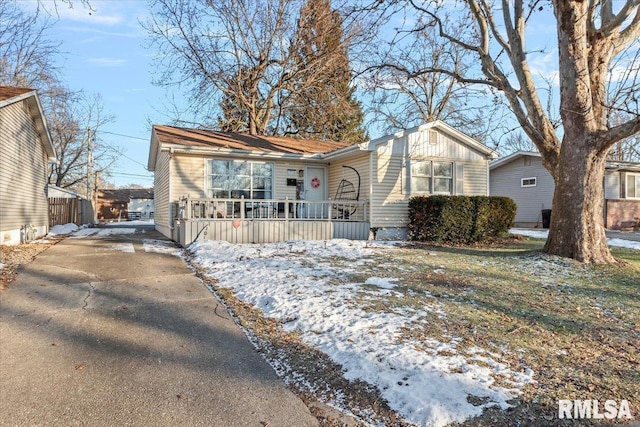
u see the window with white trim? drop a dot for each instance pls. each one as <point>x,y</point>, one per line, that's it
<point>529,182</point>
<point>239,178</point>
<point>431,177</point>
<point>633,186</point>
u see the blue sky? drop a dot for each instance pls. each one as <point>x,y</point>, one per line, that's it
<point>104,52</point>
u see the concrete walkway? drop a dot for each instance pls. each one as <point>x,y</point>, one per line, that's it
<point>97,331</point>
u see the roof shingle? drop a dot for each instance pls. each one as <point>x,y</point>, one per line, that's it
<point>7,92</point>
<point>236,141</point>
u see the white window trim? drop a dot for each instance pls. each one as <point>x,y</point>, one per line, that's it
<point>626,187</point>
<point>432,178</point>
<point>535,182</point>
<point>208,172</point>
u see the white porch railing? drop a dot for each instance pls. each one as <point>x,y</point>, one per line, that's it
<point>271,210</point>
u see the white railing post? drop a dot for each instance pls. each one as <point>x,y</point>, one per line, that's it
<point>188,207</point>
<point>242,207</point>
<point>286,208</point>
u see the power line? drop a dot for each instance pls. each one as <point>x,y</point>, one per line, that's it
<point>131,174</point>
<point>125,136</point>
<point>135,161</point>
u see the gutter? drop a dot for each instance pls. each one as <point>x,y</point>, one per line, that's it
<point>240,153</point>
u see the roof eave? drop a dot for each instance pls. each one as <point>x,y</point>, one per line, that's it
<point>271,155</point>
<point>511,157</point>
<point>466,139</point>
<point>39,121</point>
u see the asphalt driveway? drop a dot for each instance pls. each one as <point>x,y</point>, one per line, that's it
<point>113,329</point>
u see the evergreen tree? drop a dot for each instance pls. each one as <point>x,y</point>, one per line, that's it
<point>321,104</point>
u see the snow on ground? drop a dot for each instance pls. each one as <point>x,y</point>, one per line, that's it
<point>133,222</point>
<point>57,230</point>
<point>306,286</point>
<point>621,243</point>
<point>542,234</point>
<point>101,232</point>
<point>160,246</point>
<point>122,247</point>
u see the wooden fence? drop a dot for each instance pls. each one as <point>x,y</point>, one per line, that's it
<point>70,210</point>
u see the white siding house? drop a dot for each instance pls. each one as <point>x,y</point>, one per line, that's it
<point>25,153</point>
<point>522,177</point>
<point>319,189</point>
<point>433,158</point>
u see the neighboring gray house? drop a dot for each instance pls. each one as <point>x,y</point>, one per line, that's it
<point>243,188</point>
<point>25,153</point>
<point>522,177</point>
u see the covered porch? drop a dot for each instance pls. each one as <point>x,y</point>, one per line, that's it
<point>268,220</point>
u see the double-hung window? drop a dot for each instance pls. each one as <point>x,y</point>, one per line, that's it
<point>633,186</point>
<point>431,177</point>
<point>239,178</point>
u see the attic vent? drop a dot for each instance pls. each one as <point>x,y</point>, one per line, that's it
<point>527,160</point>
<point>433,137</point>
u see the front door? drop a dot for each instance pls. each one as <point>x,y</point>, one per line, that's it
<point>315,179</point>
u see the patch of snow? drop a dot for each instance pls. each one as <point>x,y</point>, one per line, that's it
<point>59,230</point>
<point>84,232</point>
<point>307,287</point>
<point>104,232</point>
<point>133,222</point>
<point>542,234</point>
<point>621,243</point>
<point>536,234</point>
<point>1,266</point>
<point>381,282</point>
<point>160,246</point>
<point>122,247</point>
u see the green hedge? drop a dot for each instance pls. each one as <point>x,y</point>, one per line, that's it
<point>459,219</point>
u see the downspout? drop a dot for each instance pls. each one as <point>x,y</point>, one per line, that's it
<point>169,181</point>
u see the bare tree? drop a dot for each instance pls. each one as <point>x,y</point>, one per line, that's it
<point>238,59</point>
<point>27,54</point>
<point>591,34</point>
<point>627,149</point>
<point>403,97</point>
<point>74,124</point>
<point>238,49</point>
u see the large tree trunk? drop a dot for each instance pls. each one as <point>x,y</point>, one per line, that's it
<point>577,220</point>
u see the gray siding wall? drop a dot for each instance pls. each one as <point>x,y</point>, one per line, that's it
<point>612,188</point>
<point>23,172</point>
<point>506,181</point>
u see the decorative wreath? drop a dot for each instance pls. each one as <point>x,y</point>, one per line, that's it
<point>315,182</point>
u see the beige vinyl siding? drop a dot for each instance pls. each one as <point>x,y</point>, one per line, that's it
<point>612,185</point>
<point>337,173</point>
<point>187,177</point>
<point>391,188</point>
<point>281,189</point>
<point>162,212</point>
<point>506,181</point>
<point>446,147</point>
<point>23,171</point>
<point>389,203</point>
<point>475,177</point>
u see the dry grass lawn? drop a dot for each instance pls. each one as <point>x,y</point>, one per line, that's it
<point>577,327</point>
